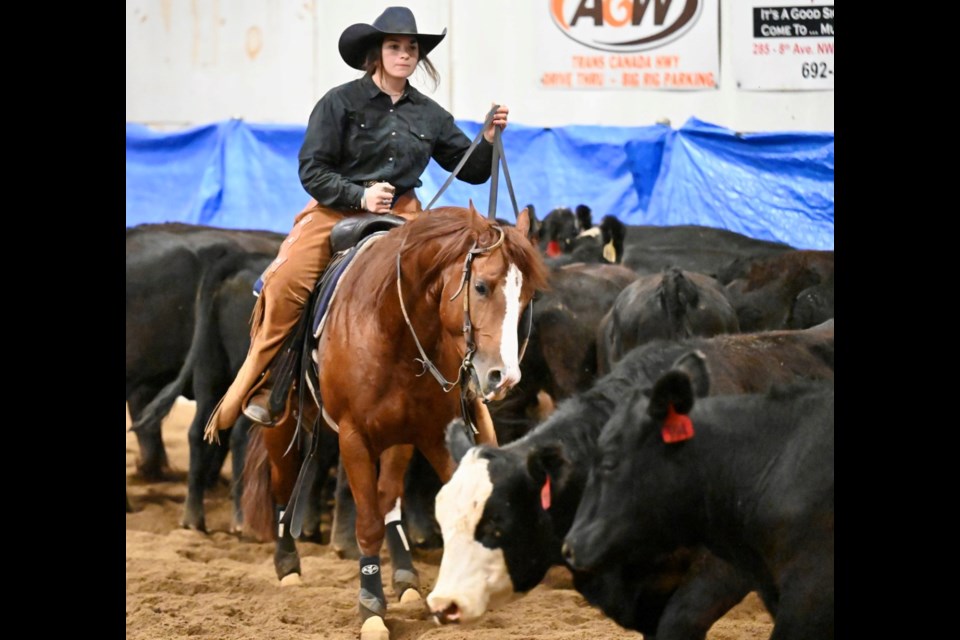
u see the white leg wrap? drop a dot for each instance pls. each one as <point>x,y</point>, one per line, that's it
<point>394,514</point>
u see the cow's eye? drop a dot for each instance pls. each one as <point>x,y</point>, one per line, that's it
<point>608,465</point>
<point>481,287</point>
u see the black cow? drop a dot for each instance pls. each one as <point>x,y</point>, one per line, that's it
<point>707,250</point>
<point>561,356</point>
<point>164,265</point>
<point>813,305</point>
<point>499,539</point>
<point>215,270</point>
<point>766,292</point>
<point>558,231</point>
<point>603,243</point>
<point>220,343</point>
<point>750,477</point>
<point>674,304</point>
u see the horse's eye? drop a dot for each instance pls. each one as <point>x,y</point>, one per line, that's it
<point>481,287</point>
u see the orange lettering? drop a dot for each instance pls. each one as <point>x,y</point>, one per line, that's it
<point>608,18</point>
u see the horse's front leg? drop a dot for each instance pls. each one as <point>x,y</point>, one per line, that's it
<point>393,466</point>
<point>359,464</point>
<point>283,475</point>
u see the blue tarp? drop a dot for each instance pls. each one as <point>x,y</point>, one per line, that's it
<point>771,186</point>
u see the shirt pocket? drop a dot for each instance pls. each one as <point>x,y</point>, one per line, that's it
<point>362,131</point>
<point>421,141</point>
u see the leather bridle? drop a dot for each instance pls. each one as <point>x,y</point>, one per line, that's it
<point>467,371</point>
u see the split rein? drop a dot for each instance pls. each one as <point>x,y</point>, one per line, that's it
<point>468,371</point>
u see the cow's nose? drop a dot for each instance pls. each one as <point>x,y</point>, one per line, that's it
<point>450,614</point>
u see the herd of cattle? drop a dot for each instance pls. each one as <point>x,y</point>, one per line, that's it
<point>670,440</point>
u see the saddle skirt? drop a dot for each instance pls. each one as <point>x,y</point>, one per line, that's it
<point>349,237</point>
<point>327,289</point>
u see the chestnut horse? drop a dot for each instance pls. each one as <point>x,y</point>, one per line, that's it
<point>442,294</point>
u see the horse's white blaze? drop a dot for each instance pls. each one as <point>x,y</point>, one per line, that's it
<point>509,345</point>
<point>471,575</point>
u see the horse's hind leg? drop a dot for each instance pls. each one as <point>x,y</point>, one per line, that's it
<point>343,538</point>
<point>393,466</point>
<point>327,456</point>
<point>420,487</point>
<point>284,468</point>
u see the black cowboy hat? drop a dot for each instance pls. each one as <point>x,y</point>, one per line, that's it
<point>356,39</point>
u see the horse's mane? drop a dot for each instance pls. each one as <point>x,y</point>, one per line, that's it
<point>456,229</point>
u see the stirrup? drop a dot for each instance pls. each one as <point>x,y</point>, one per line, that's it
<point>258,408</point>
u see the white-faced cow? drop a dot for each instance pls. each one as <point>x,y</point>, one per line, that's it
<point>505,511</point>
<point>750,477</point>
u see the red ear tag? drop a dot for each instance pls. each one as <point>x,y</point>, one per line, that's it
<point>553,249</point>
<point>676,427</point>
<point>545,495</point>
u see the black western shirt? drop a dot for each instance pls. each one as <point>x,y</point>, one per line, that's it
<point>357,134</point>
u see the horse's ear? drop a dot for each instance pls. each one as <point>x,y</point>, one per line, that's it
<point>477,218</point>
<point>456,437</point>
<point>523,222</point>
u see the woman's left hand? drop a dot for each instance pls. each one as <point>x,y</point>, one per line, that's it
<point>499,119</point>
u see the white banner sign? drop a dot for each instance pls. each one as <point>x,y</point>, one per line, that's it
<point>783,47</point>
<point>629,44</point>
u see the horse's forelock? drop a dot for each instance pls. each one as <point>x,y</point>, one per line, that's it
<point>522,253</point>
<point>454,227</point>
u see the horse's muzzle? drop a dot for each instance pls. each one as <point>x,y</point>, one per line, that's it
<point>497,382</point>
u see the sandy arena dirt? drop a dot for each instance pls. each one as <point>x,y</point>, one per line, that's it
<point>185,584</point>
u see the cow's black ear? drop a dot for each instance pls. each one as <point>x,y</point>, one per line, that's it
<point>548,460</point>
<point>673,388</point>
<point>457,441</point>
<point>694,364</point>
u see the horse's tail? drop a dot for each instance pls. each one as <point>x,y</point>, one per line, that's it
<point>256,501</point>
<point>151,415</point>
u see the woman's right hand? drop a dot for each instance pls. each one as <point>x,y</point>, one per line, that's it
<point>378,197</point>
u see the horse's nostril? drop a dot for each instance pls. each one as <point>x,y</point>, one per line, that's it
<point>567,553</point>
<point>494,378</point>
